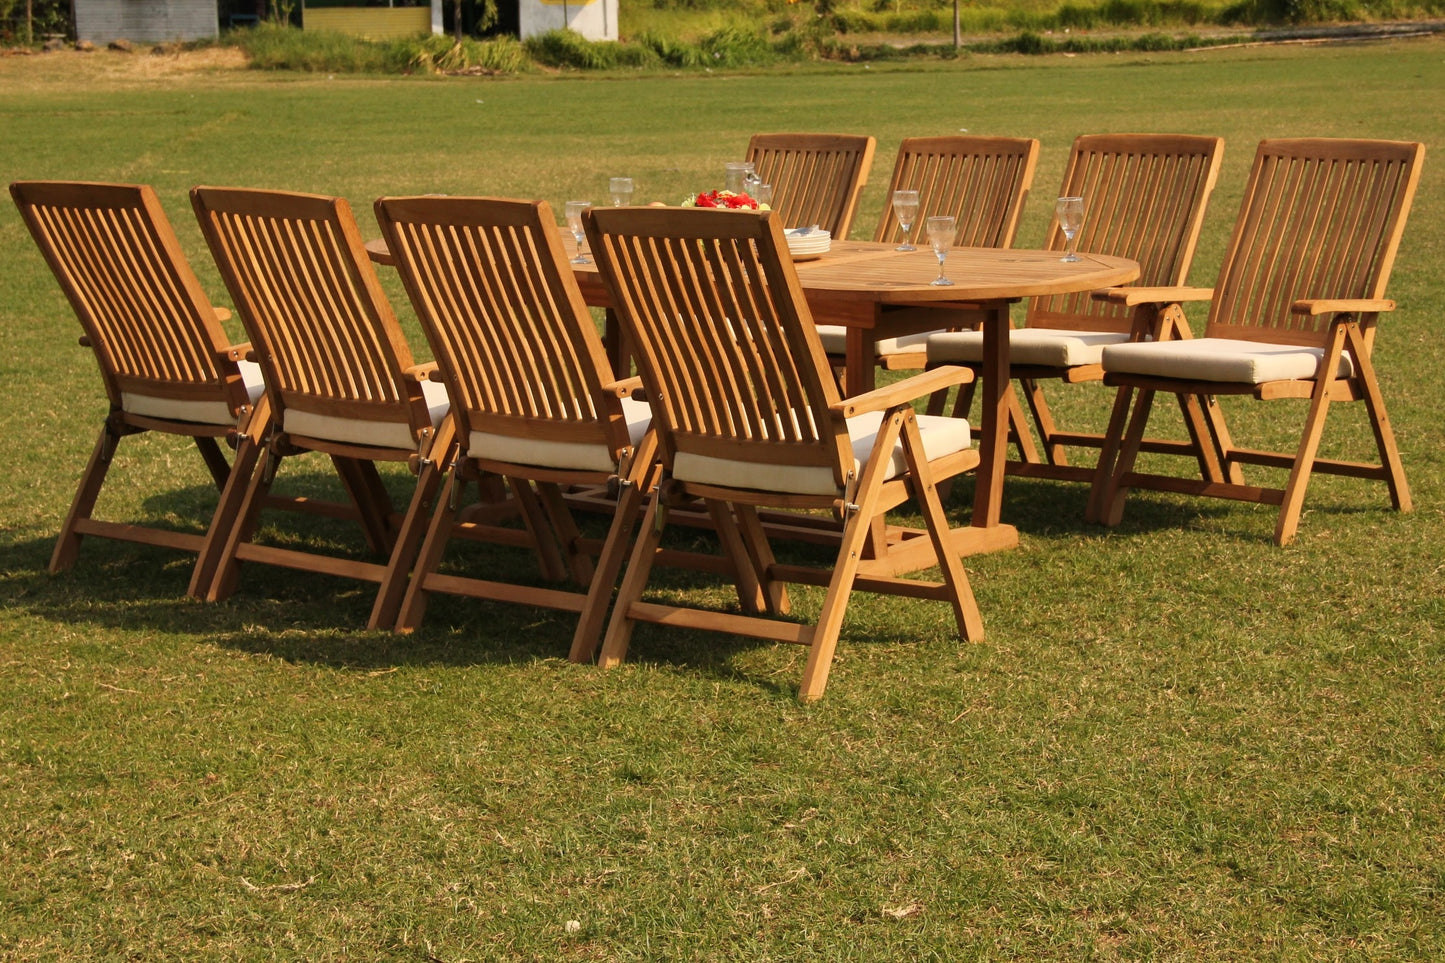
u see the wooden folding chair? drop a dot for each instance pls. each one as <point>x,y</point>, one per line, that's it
<point>166,364</point>
<point>1293,315</point>
<point>339,376</point>
<point>983,182</point>
<point>748,416</point>
<point>816,178</point>
<point>534,398</point>
<point>1145,196</point>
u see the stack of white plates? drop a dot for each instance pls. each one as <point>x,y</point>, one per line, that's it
<point>808,242</point>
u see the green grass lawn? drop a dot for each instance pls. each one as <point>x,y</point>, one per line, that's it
<point>1177,742</point>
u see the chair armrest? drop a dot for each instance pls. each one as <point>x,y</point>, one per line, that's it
<point>222,314</point>
<point>1130,296</point>
<point>905,391</point>
<point>625,387</point>
<point>426,371</point>
<point>1320,306</point>
<point>239,352</point>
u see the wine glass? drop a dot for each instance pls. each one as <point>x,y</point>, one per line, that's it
<point>574,224</point>
<point>942,228</point>
<point>621,190</point>
<point>1071,217</point>
<point>905,208</point>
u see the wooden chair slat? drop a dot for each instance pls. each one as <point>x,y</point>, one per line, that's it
<point>816,178</point>
<point>982,181</point>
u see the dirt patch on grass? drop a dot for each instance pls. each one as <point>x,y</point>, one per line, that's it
<point>140,66</point>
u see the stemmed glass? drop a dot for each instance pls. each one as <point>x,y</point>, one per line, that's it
<point>1071,217</point>
<point>621,190</point>
<point>574,224</point>
<point>905,208</point>
<point>942,229</point>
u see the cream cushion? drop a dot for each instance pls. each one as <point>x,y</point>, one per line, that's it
<point>199,412</point>
<point>941,436</point>
<point>1220,359</point>
<point>362,431</point>
<point>835,341</point>
<point>579,456</point>
<point>1053,347</point>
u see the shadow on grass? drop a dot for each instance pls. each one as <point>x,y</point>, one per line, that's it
<point>308,618</point>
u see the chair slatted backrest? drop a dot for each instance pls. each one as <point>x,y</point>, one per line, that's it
<point>117,258</point>
<point>1321,218</point>
<point>981,181</point>
<point>726,347</point>
<point>816,178</point>
<point>1144,198</point>
<point>297,270</point>
<point>516,345</point>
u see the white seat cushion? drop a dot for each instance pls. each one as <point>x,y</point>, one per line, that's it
<point>835,341</point>
<point>1053,347</point>
<point>941,437</point>
<point>361,431</point>
<point>571,455</point>
<point>1220,359</point>
<point>199,412</point>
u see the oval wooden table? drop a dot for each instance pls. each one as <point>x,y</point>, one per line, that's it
<point>878,292</point>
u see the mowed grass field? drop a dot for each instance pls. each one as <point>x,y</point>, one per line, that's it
<point>1177,742</point>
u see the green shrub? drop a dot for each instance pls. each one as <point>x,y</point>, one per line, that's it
<point>732,47</point>
<point>670,51</point>
<point>439,54</point>
<point>567,49</point>
<point>273,47</point>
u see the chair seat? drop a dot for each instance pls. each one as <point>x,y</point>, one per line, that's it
<point>941,437</point>
<point>363,431</point>
<point>835,341</point>
<point>197,412</point>
<point>1220,359</point>
<point>1051,347</point>
<point>567,455</point>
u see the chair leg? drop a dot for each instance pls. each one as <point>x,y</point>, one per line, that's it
<point>247,518</point>
<point>67,544</point>
<point>438,533</point>
<point>373,504</point>
<point>755,538</point>
<point>215,461</point>
<point>639,566</point>
<point>1108,454</point>
<point>1209,450</point>
<point>1112,504</point>
<point>1054,452</point>
<point>225,517</point>
<point>568,534</point>
<point>387,607</point>
<point>925,491</point>
<point>549,555</point>
<point>1019,428</point>
<point>824,636</point>
<point>745,575</point>
<point>1380,424</point>
<point>604,575</point>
